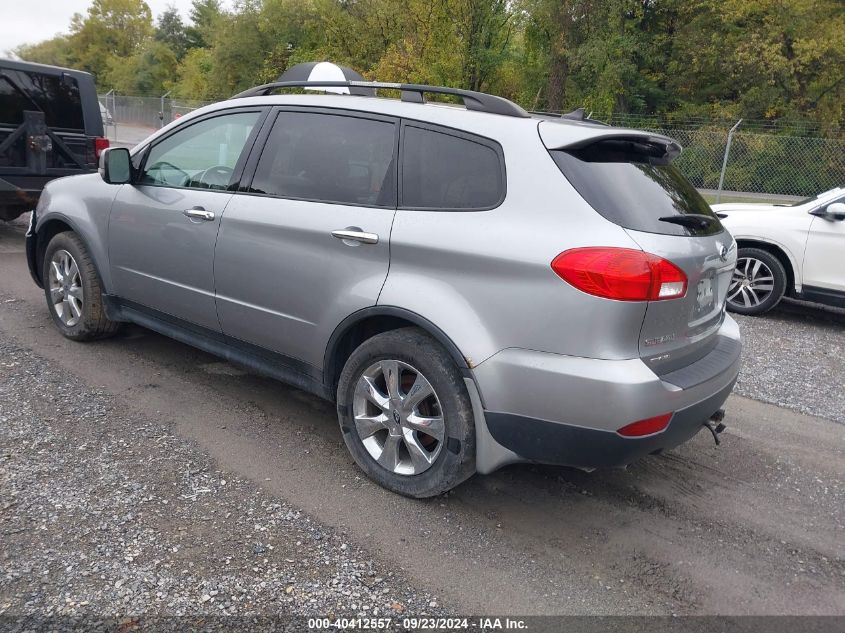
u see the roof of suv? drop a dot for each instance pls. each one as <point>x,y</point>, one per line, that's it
<point>42,68</point>
<point>483,114</point>
<point>434,112</point>
<point>554,132</point>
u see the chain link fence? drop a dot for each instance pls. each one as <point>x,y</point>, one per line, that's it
<point>764,159</point>
<point>129,120</point>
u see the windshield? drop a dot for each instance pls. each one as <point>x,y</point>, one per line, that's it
<point>811,198</point>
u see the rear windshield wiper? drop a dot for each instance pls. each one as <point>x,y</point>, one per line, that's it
<point>690,220</point>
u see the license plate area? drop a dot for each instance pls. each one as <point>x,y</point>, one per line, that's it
<point>705,297</point>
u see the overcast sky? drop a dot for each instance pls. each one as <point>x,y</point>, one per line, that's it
<point>30,21</point>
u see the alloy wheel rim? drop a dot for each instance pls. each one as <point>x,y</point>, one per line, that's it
<point>752,283</point>
<point>66,292</point>
<point>398,417</point>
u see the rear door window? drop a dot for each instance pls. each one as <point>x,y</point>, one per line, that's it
<point>631,187</point>
<point>450,171</point>
<point>57,95</point>
<point>329,158</point>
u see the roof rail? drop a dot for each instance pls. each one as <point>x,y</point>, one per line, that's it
<point>412,93</point>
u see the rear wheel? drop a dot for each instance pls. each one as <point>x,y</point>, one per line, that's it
<point>405,414</point>
<point>73,290</point>
<point>758,282</point>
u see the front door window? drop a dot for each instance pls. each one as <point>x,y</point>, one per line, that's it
<point>202,155</point>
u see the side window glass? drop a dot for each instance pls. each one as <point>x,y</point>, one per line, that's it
<point>327,157</point>
<point>56,96</point>
<point>442,171</point>
<point>202,155</point>
<point>12,105</point>
<point>12,102</point>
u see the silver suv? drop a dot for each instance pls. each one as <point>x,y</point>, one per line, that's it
<point>473,286</point>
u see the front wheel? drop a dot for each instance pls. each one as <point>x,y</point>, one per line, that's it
<point>74,291</point>
<point>758,283</point>
<point>405,414</point>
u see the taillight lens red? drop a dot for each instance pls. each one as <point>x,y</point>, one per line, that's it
<point>623,274</point>
<point>648,426</point>
<point>99,145</point>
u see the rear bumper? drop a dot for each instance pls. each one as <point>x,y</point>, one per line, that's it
<point>565,444</point>
<point>564,410</point>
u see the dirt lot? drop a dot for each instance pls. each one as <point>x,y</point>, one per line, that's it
<point>113,457</point>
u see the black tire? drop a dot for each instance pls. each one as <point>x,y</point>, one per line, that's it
<point>455,461</point>
<point>738,297</point>
<point>92,323</point>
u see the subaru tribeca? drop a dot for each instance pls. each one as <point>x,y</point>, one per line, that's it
<point>472,286</point>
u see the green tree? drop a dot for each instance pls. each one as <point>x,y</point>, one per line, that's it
<point>425,48</point>
<point>239,50</point>
<point>552,33</point>
<point>484,29</point>
<point>205,15</point>
<point>171,32</point>
<point>111,30</point>
<point>55,51</point>
<point>291,31</point>
<point>773,59</point>
<point>194,76</point>
<point>149,72</point>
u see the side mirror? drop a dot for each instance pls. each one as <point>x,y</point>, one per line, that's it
<point>115,166</point>
<point>832,212</point>
<point>836,211</point>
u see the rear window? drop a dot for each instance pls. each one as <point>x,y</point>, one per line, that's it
<point>448,172</point>
<point>55,95</point>
<point>632,186</point>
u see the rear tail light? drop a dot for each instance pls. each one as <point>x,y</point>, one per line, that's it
<point>623,274</point>
<point>100,144</point>
<point>649,426</point>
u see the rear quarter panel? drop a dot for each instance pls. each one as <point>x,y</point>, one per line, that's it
<point>485,277</point>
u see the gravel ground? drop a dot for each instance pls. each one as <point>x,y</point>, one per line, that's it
<point>157,528</point>
<point>794,357</point>
<point>113,457</point>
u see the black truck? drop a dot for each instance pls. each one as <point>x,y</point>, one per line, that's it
<point>50,126</point>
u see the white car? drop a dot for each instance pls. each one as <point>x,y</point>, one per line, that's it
<point>794,249</point>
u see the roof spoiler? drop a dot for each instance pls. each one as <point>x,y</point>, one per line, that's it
<point>574,138</point>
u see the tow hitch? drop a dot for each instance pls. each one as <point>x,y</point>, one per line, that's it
<point>719,427</point>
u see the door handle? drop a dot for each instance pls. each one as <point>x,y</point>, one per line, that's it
<point>354,234</point>
<point>198,213</point>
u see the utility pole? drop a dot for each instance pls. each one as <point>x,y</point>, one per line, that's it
<point>725,161</point>
<point>161,112</point>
